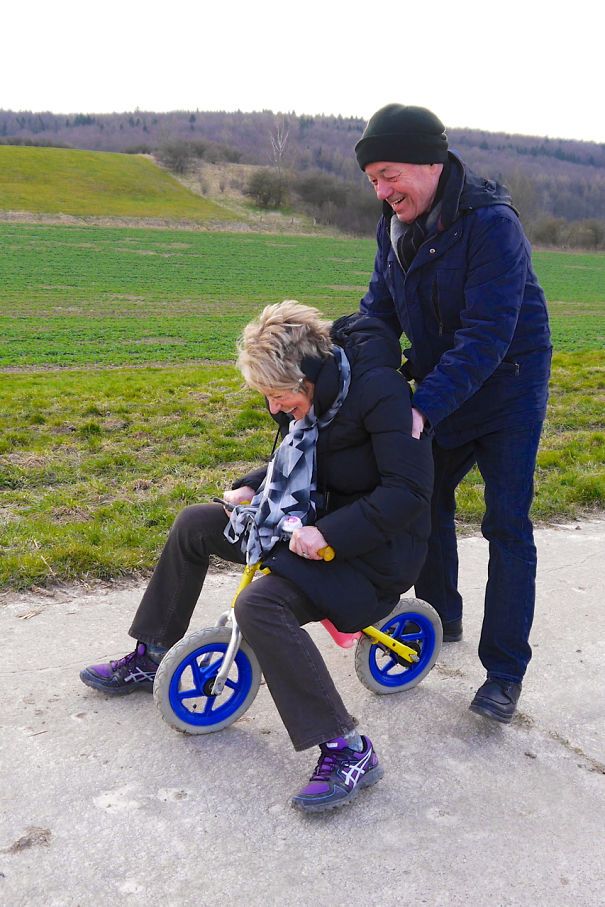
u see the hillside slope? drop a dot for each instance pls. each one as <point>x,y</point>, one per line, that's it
<point>97,184</point>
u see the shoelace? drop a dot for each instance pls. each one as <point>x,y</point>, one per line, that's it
<point>326,764</point>
<point>126,660</point>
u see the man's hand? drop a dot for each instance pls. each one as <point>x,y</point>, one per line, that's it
<point>418,421</point>
<point>307,541</point>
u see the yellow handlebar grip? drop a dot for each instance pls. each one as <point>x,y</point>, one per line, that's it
<point>327,553</point>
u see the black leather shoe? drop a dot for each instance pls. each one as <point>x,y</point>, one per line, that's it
<point>452,630</point>
<point>496,699</point>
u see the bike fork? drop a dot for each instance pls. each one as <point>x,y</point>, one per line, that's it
<point>232,649</point>
<point>236,633</point>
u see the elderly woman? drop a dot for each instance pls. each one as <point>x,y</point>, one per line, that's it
<point>350,469</point>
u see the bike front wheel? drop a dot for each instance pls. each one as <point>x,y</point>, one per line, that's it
<point>413,622</point>
<point>183,684</point>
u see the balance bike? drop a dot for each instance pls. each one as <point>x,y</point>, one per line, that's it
<point>208,679</point>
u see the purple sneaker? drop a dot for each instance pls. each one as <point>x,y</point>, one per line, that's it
<point>341,772</point>
<point>136,671</point>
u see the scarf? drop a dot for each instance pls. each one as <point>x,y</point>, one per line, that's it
<point>406,239</point>
<point>287,489</point>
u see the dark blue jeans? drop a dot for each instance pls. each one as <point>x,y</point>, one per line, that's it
<point>506,461</point>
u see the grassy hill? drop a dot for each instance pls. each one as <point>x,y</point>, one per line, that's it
<point>97,184</point>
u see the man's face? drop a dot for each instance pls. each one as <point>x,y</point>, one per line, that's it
<point>408,188</point>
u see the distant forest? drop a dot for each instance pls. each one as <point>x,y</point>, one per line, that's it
<point>557,185</point>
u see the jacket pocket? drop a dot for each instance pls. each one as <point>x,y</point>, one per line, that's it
<point>508,367</point>
<point>447,299</point>
<point>503,384</point>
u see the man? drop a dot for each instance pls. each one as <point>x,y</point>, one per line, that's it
<point>453,272</point>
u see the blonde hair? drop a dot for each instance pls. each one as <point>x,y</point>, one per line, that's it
<point>272,347</point>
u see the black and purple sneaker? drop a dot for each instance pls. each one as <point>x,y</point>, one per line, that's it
<point>340,774</point>
<point>135,671</point>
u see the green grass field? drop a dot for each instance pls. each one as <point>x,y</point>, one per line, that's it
<point>97,458</point>
<point>95,183</point>
<point>81,295</point>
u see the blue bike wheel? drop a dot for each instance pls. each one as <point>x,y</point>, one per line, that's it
<point>414,623</point>
<point>184,681</point>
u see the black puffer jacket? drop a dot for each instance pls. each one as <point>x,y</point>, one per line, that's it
<point>376,481</point>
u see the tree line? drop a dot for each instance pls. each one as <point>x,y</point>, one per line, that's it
<point>557,185</point>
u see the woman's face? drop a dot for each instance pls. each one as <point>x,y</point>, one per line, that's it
<point>294,403</point>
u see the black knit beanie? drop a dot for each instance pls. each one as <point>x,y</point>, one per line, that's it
<point>409,135</point>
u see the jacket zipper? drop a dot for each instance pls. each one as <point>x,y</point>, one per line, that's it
<point>437,310</point>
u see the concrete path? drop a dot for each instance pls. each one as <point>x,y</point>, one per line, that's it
<point>102,802</point>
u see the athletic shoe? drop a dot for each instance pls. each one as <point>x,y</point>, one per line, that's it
<point>340,774</point>
<point>136,671</point>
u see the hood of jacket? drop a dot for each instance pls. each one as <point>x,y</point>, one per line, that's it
<point>368,342</point>
<point>465,191</point>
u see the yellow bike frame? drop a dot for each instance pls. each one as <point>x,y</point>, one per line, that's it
<point>399,648</point>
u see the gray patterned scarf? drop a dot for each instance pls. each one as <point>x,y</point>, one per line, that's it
<point>287,489</point>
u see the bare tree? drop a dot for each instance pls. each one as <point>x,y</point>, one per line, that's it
<point>279,141</point>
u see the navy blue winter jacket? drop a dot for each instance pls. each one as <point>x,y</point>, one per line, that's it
<point>472,310</point>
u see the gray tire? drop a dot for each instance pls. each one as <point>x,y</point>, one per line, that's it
<point>183,683</point>
<point>416,624</point>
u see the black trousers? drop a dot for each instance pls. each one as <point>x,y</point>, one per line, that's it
<point>271,613</point>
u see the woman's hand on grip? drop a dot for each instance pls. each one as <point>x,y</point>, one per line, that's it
<point>307,542</point>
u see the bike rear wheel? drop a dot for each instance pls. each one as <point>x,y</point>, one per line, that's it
<point>183,685</point>
<point>413,622</point>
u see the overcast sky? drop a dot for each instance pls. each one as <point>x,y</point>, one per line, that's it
<point>519,66</point>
